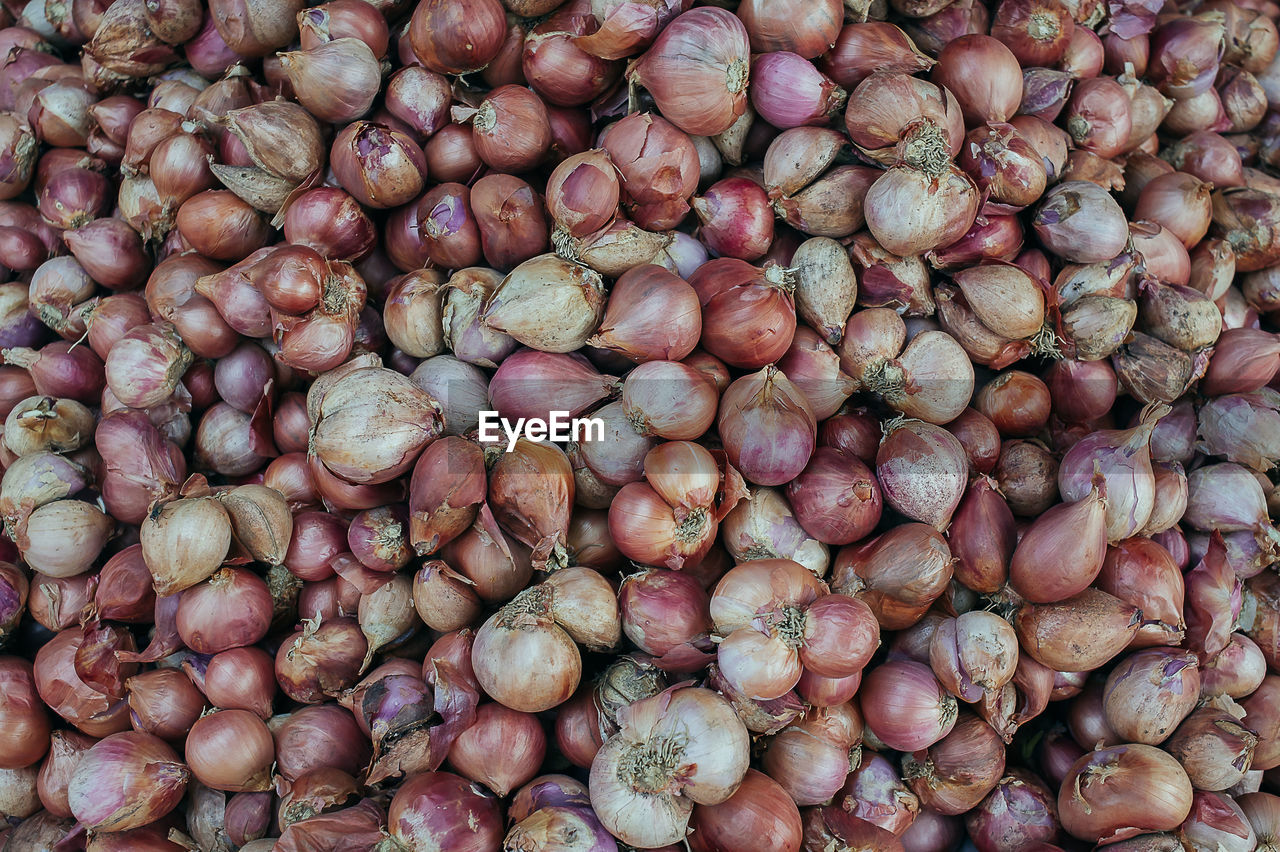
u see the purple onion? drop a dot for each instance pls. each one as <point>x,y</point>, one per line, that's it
<point>242,376</point>
<point>1174,438</point>
<point>379,537</point>
<point>530,384</point>
<point>18,326</point>
<point>1227,498</point>
<point>462,390</point>
<point>619,458</point>
<point>1244,428</point>
<point>1123,457</point>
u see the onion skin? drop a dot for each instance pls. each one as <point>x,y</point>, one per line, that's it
<point>1149,693</point>
<point>439,807</point>
<point>898,574</point>
<point>759,811</point>
<point>26,725</point>
<point>1018,813</point>
<point>768,427</point>
<point>151,790</point>
<point>957,773</point>
<point>982,537</point>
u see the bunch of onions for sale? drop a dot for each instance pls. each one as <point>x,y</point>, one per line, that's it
<point>610,425</point>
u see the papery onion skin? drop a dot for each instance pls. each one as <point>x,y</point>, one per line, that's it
<point>26,724</point>
<point>1078,634</point>
<point>1073,535</point>
<point>524,628</point>
<point>1150,692</point>
<point>909,448</point>
<point>957,772</point>
<point>768,427</point>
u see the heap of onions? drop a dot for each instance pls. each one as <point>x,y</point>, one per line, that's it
<point>542,425</point>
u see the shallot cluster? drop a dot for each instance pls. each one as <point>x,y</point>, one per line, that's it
<point>601,425</point>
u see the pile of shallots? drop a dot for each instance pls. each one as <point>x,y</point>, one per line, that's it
<point>602,425</point>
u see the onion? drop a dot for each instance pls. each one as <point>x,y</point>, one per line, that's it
<point>525,629</point>
<point>1143,573</point>
<point>836,498</point>
<point>1097,797</point>
<point>906,706</point>
<point>973,655</point>
<point>931,379</point>
<point>911,211</point>
<point>651,315</point>
<point>812,757</point>
<point>758,811</point>
<point>736,219</point>
<point>324,735</point>
<point>1063,550</point>
<point>126,781</point>
<point>1149,693</point>
<point>907,444</point>
<point>517,736</point>
<point>697,71</point>
<point>733,293</point>
<point>876,793</point>
<point>1213,747</point>
<point>320,659</point>
<point>164,702</point>
<point>1080,633</point>
<point>764,527</point>
<point>538,518</point>
<point>241,679</point>
<point>767,426</point>
<point>26,724</point>
<point>232,609</point>
<point>539,289</point>
<point>231,750</point>
<point>667,614</point>
<point>1080,222</point>
<point>898,574</point>
<point>957,772</point>
<point>441,807</point>
<point>1019,812</point>
<point>1226,497</point>
<point>184,542</point>
<point>1213,601</point>
<point>1216,819</point>
<point>982,537</point>
<point>683,747</point>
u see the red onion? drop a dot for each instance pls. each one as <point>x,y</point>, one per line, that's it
<point>905,445</point>
<point>441,807</point>
<point>906,707</point>
<point>767,427</point>
<point>126,781</point>
<point>697,71</point>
